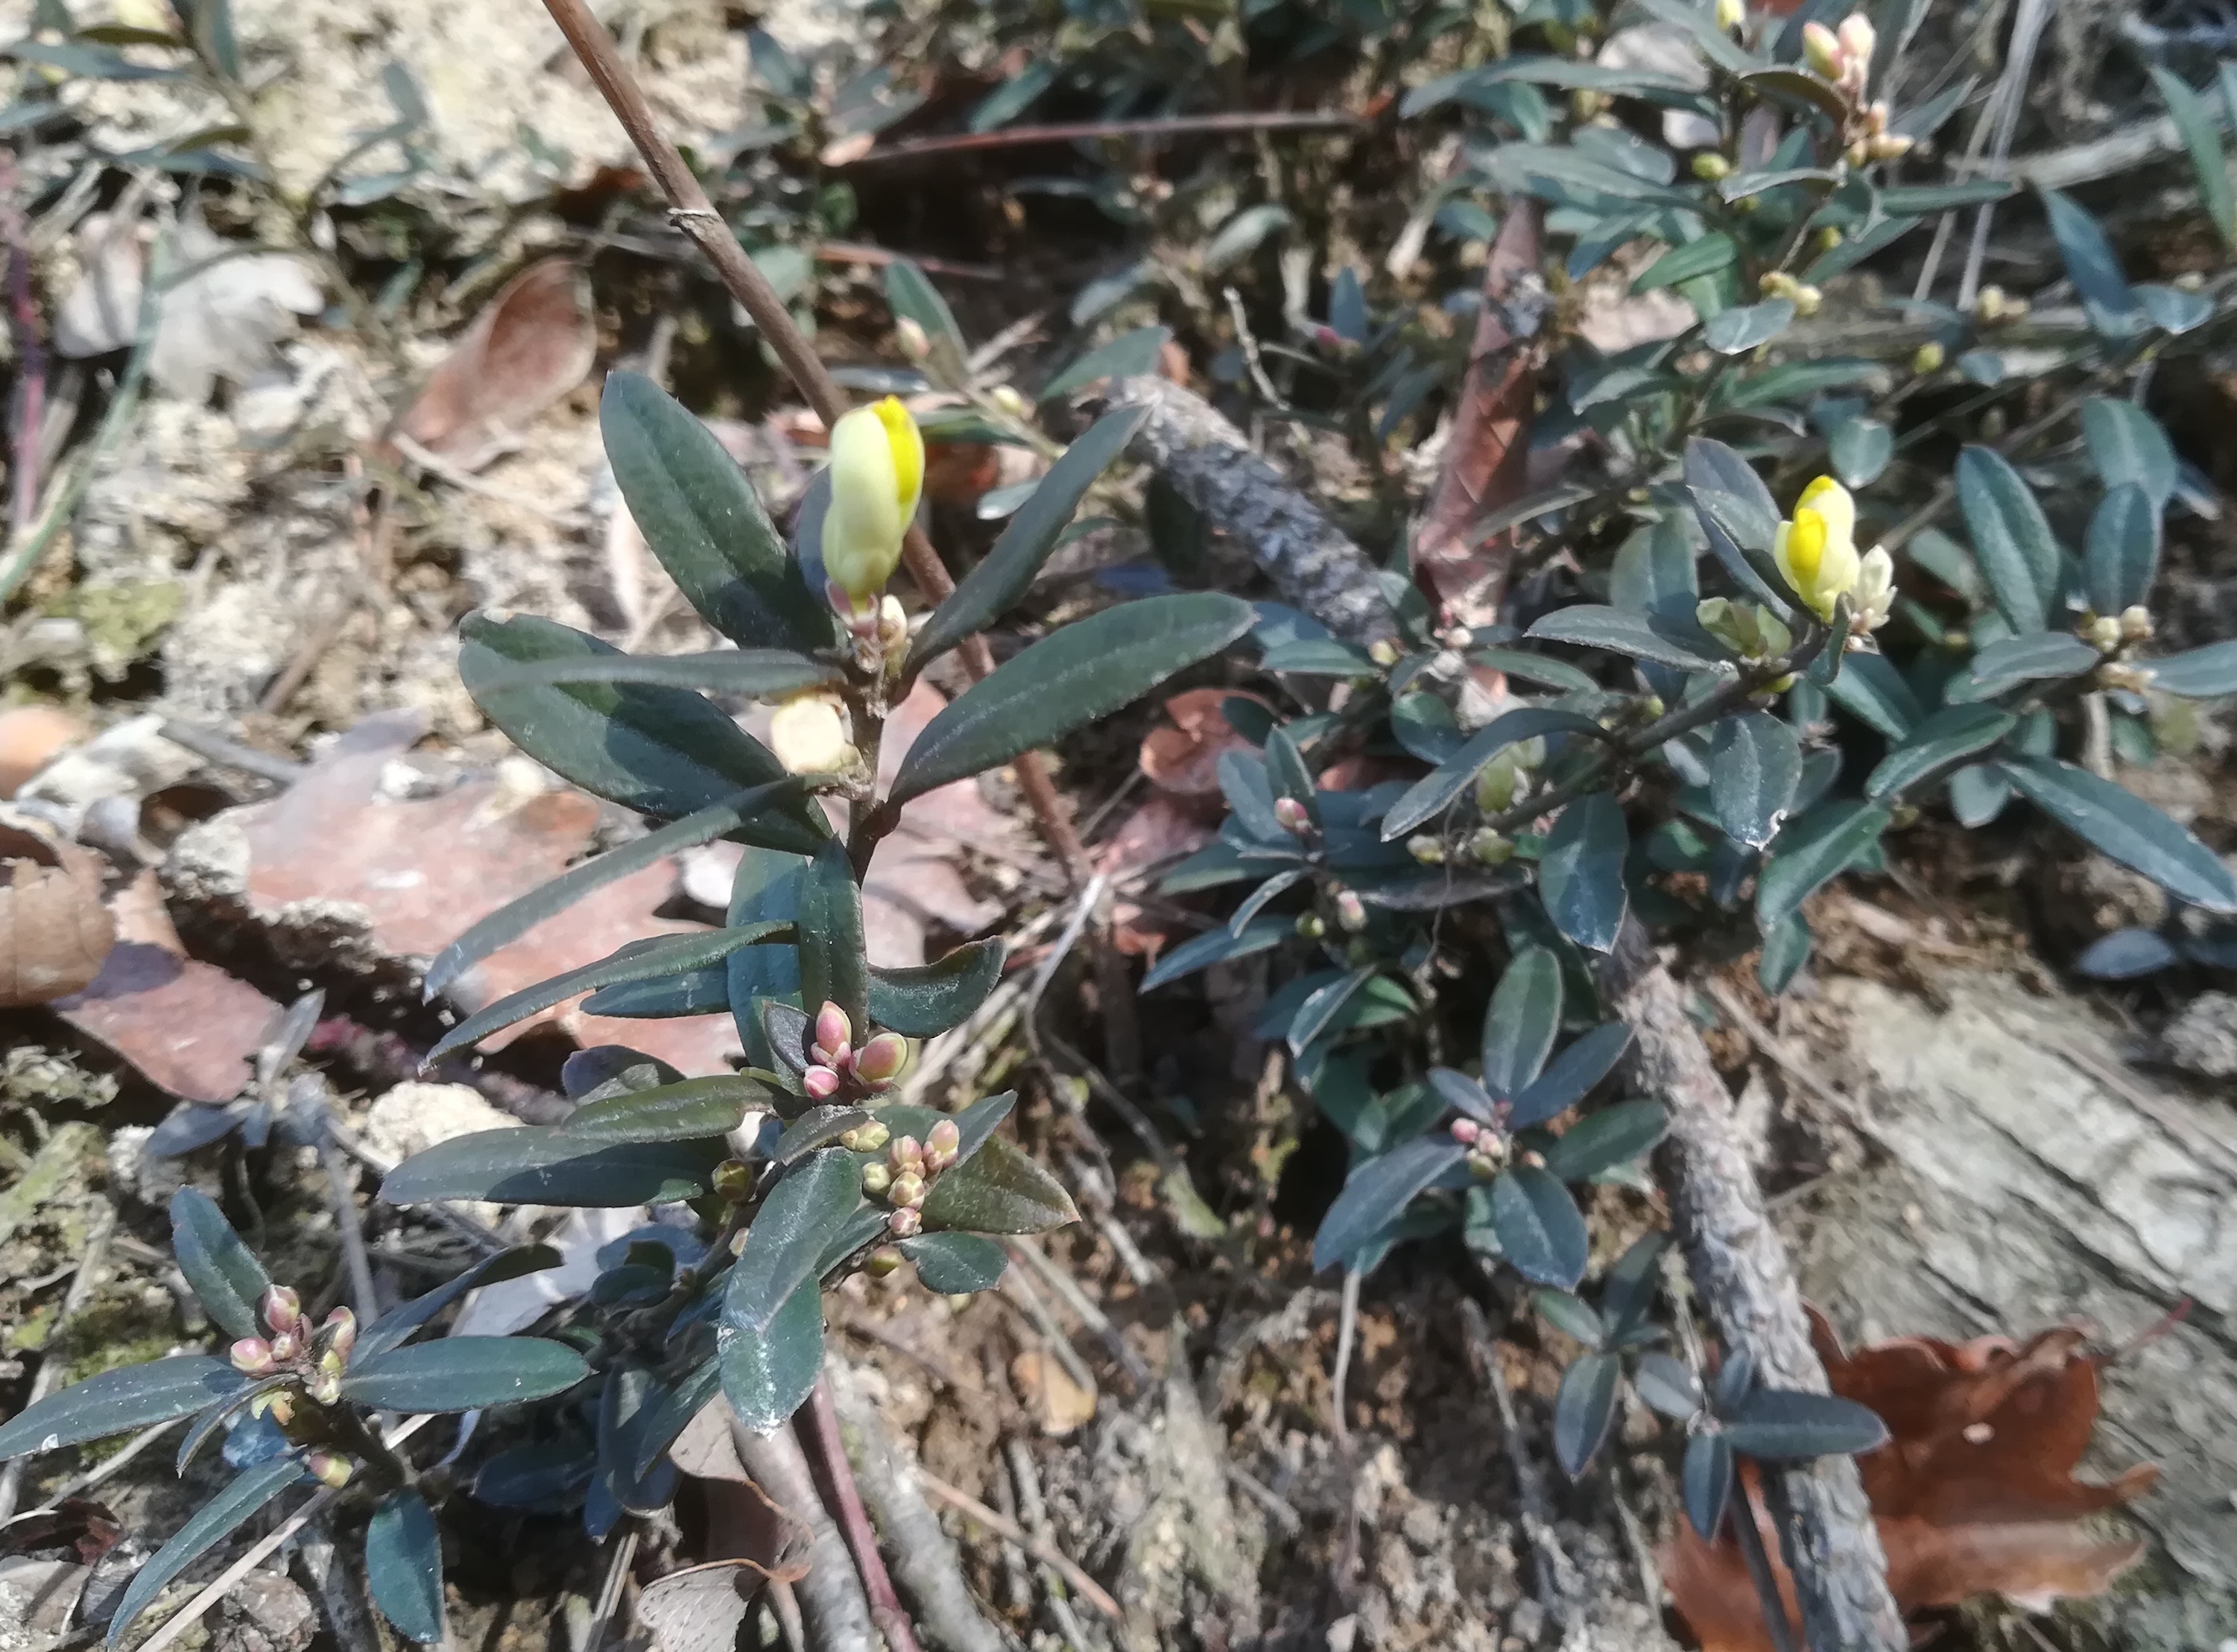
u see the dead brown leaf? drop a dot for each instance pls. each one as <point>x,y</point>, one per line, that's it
<point>531,345</point>
<point>190,1029</point>
<point>1060,1404</point>
<point>1973,1494</point>
<point>1182,758</point>
<point>54,931</point>
<point>31,736</point>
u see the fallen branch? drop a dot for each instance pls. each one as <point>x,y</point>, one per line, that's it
<point>818,1425</point>
<point>1314,564</point>
<point>1740,1269</point>
<point>1012,137</point>
<point>837,1613</point>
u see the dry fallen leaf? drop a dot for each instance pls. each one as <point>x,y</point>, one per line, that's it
<point>531,345</point>
<point>191,1029</point>
<point>1182,758</point>
<point>55,934</point>
<point>31,736</point>
<point>1973,1494</point>
<point>1062,1404</point>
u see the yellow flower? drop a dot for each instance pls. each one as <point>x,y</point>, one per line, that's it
<point>1817,551</point>
<point>1731,14</point>
<point>877,472</point>
<point>808,738</point>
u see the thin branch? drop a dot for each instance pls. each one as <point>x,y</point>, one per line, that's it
<point>818,1425</point>
<point>1012,137</point>
<point>1007,1529</point>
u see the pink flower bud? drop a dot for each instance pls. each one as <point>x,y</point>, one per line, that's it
<point>1465,1131</point>
<point>905,1222</point>
<point>1821,48</point>
<point>906,1153</point>
<point>1351,911</point>
<point>282,1307</point>
<point>881,1060</point>
<point>820,1083</point>
<point>251,1355</point>
<point>1292,815</point>
<point>908,1189</point>
<point>341,1332</point>
<point>285,1347</point>
<point>941,1143</point>
<point>833,1033</point>
<point>329,1469</point>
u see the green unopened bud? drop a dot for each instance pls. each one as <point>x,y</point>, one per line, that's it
<point>908,1189</point>
<point>340,1331</point>
<point>882,1262</point>
<point>1829,237</point>
<point>1383,652</point>
<point>876,1177</point>
<point>941,1143</point>
<point>1496,786</point>
<point>1489,847</point>
<point>1821,49</point>
<point>2117,674</point>
<point>1778,284</point>
<point>1006,397</point>
<point>733,1180</point>
<point>1807,300</point>
<point>1710,166</point>
<point>1732,623</point>
<point>872,1137</point>
<point>1928,358</point>
<point>1903,816</point>
<point>1731,14</point>
<point>1426,850</point>
<point>1309,926</point>
<point>325,1389</point>
<point>910,336</point>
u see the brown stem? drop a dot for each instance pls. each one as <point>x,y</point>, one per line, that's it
<point>30,411</point>
<point>1011,137</point>
<point>818,1425</point>
<point>695,214</point>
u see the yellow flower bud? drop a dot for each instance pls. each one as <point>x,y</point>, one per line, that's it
<point>1710,166</point>
<point>2135,623</point>
<point>809,737</point>
<point>1806,300</point>
<point>1875,594</point>
<point>2102,633</point>
<point>877,474</point>
<point>1821,49</point>
<point>1731,14</point>
<point>1829,238</point>
<point>1928,358</point>
<point>1817,551</point>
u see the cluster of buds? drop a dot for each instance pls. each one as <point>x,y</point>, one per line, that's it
<point>1804,297</point>
<point>2110,635</point>
<point>1506,778</point>
<point>905,1175</point>
<point>316,1357</point>
<point>1487,1147</point>
<point>1844,56</point>
<point>1993,304</point>
<point>835,1064</point>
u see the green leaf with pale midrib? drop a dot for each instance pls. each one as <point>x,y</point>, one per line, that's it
<point>1086,671</point>
<point>114,1402</point>
<point>758,673</point>
<point>528,1165</point>
<point>463,1374</point>
<point>230,1281</point>
<point>788,1234</point>
<point>696,1109</point>
<point>404,1565</point>
<point>211,1525</point>
<point>2124,826</point>
<point>924,1001</point>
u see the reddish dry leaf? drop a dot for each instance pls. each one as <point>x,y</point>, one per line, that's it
<point>1488,453</point>
<point>31,736</point>
<point>54,931</point>
<point>334,854</point>
<point>528,347</point>
<point>1182,760</point>
<point>1158,831</point>
<point>190,1029</point>
<point>1973,1494</point>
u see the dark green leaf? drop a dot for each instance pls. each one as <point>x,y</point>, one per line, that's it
<point>1324,1004</point>
<point>1713,251</point>
<point>1813,850</point>
<point>1128,355</point>
<point>1014,95</point>
<point>664,751</point>
<point>1250,793</point>
<point>215,1520</point>
<point>670,1412</point>
<point>401,1321</point>
<point>114,1402</point>
<point>1581,874</point>
<point>516,918</point>
<point>1653,572</point>
<point>923,1002</point>
<point>1903,199</point>
<point>535,1167</point>
<point>1073,676</point>
<point>1599,1141</point>
<point>1434,793</point>
<point>1570,1077</point>
<point>1793,87</point>
<point>85,60</point>
<point>833,967</point>
<point>1870,689</point>
<point>2031,657</point>
<point>2123,827</point>
<point>463,1374</point>
<point>1736,511</point>
<point>769,1374</point>
<point>1584,1405</point>
<point>1287,774</point>
<point>1860,450</point>
<point>2174,309</point>
<point>1218,946</point>
<point>1663,639</point>
<point>703,992</point>
<point>1666,1385</point>
<point>788,1234</point>
<point>2128,445</point>
<point>1779,1424</point>
<point>1519,1025</point>
<point>1458,1090</point>
<point>1839,259</point>
<point>756,673</point>
<point>700,516</point>
<point>1796,380</point>
<point>910,293</point>
<point>997,1190</point>
<point>1002,578</point>
<point>2127,955</point>
<point>1571,1315</point>
<point>1707,1474</point>
<point>1377,1193</point>
<point>1628,1293</point>
<point>1735,332</point>
<point>955,1264</point>
<point>404,1565</point>
<point>694,1110</point>
<point>1978,793</point>
<point>1540,1230</point>
<point>1949,736</point>
<point>1755,763</point>
<point>820,1126</point>
<point>230,1282</point>
<point>639,960</point>
<point>2095,269</point>
<point>2201,674</point>
<point>2121,558</point>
